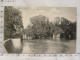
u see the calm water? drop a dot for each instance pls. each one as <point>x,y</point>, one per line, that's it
<point>43,46</point>
<point>49,46</point>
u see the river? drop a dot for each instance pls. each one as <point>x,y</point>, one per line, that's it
<point>42,47</point>
<point>48,46</point>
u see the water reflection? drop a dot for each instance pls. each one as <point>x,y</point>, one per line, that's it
<point>11,49</point>
<point>43,47</point>
<point>49,46</point>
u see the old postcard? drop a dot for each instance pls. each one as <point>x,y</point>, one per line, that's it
<point>40,30</point>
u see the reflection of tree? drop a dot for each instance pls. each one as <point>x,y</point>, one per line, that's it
<point>39,46</point>
<point>13,21</point>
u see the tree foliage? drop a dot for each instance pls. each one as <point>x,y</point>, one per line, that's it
<point>69,28</point>
<point>41,27</point>
<point>12,20</point>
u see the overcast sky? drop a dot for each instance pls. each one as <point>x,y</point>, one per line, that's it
<point>69,13</point>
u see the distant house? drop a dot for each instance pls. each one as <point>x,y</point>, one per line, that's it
<point>26,37</point>
<point>56,36</point>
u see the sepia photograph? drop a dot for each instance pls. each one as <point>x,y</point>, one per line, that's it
<point>40,30</point>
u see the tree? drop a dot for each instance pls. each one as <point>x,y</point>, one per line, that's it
<point>69,28</point>
<point>12,20</point>
<point>40,26</point>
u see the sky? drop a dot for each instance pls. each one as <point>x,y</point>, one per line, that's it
<point>69,13</point>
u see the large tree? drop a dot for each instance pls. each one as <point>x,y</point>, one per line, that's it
<point>40,26</point>
<point>12,21</point>
<point>68,27</point>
